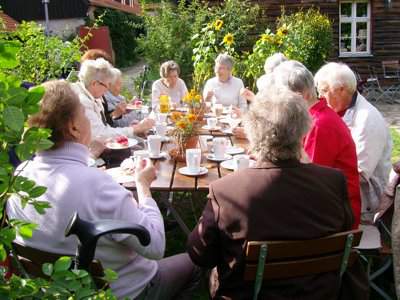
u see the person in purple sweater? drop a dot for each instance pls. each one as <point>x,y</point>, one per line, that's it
<point>73,186</point>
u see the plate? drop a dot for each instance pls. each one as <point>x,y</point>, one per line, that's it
<point>133,107</point>
<point>212,157</point>
<point>185,171</point>
<point>118,146</point>
<point>161,155</point>
<point>206,127</point>
<point>234,150</point>
<point>229,164</point>
<point>120,175</point>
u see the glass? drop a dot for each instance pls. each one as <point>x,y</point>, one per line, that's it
<point>345,9</point>
<point>362,10</point>
<point>164,104</point>
<point>345,37</point>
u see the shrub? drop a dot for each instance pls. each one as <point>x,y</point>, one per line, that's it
<point>42,57</point>
<point>124,30</point>
<point>303,36</point>
<point>168,33</point>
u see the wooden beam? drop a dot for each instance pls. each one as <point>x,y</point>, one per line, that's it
<point>135,9</point>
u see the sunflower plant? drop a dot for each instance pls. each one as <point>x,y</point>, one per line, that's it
<point>193,100</point>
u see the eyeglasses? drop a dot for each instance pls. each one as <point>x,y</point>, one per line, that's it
<point>103,84</point>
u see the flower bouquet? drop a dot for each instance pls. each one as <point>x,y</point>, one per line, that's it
<point>195,104</point>
<point>185,133</point>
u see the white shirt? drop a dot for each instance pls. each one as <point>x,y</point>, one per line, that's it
<point>94,109</point>
<point>226,93</point>
<point>176,93</point>
<point>374,148</point>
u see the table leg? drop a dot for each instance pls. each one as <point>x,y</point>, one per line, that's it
<point>177,217</point>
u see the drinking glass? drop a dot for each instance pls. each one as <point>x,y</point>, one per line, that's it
<point>193,160</point>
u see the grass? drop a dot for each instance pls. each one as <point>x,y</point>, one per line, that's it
<point>396,144</point>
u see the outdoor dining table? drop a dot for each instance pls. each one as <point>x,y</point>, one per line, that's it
<point>170,180</point>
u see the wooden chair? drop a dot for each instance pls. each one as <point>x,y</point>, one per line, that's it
<point>30,260</point>
<point>267,260</point>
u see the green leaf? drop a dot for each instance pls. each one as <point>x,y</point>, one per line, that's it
<point>37,191</point>
<point>35,94</point>
<point>110,275</point>
<point>26,230</point>
<point>41,206</point>
<point>7,235</point>
<point>8,51</point>
<point>47,269</point>
<point>3,253</point>
<point>13,118</point>
<point>62,264</point>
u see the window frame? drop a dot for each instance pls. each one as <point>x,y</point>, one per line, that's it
<point>353,20</point>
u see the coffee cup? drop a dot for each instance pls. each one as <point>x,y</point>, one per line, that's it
<point>193,160</point>
<point>212,122</point>
<point>241,162</point>
<point>219,145</point>
<point>161,129</point>
<point>139,155</point>
<point>154,144</point>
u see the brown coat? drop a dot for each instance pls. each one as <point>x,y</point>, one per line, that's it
<point>285,201</point>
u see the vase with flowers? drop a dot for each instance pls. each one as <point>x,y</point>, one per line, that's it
<point>195,104</point>
<point>185,133</point>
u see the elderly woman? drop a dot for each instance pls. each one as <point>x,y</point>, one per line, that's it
<point>73,186</point>
<point>224,88</point>
<point>169,84</point>
<point>338,84</point>
<point>278,199</point>
<point>116,103</point>
<point>329,142</point>
<point>95,77</point>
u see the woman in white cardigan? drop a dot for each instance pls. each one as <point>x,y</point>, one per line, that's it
<point>73,186</point>
<point>95,77</point>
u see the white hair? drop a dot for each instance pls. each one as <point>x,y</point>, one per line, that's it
<point>273,61</point>
<point>116,75</point>
<point>296,77</point>
<point>276,123</point>
<point>92,70</point>
<point>225,59</point>
<point>334,75</point>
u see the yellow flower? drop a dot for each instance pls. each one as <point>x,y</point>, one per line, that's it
<point>181,124</point>
<point>192,93</point>
<point>218,24</point>
<point>175,116</point>
<point>282,31</point>
<point>266,38</point>
<point>191,117</point>
<point>228,39</point>
<point>197,98</point>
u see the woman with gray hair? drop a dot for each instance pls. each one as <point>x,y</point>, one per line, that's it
<point>278,199</point>
<point>224,88</point>
<point>169,84</point>
<point>95,78</point>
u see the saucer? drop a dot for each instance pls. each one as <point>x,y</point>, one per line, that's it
<point>117,146</point>
<point>234,150</point>
<point>162,154</point>
<point>96,162</point>
<point>212,157</point>
<point>206,127</point>
<point>230,164</point>
<point>185,171</point>
<point>120,175</point>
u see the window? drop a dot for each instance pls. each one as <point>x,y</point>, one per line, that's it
<point>354,28</point>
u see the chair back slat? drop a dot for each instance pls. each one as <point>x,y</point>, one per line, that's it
<point>297,268</point>
<point>283,250</point>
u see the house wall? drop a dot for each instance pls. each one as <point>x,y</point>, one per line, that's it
<point>64,27</point>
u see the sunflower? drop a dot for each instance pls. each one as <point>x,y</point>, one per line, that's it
<point>228,39</point>
<point>191,117</point>
<point>218,25</point>
<point>175,116</point>
<point>181,124</point>
<point>266,38</point>
<point>197,98</point>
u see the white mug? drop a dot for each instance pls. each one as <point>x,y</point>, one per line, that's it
<point>193,160</point>
<point>212,122</point>
<point>154,144</point>
<point>139,155</point>
<point>219,145</point>
<point>241,161</point>
<point>161,129</point>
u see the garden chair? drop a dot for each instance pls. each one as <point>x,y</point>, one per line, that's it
<point>376,250</point>
<point>372,88</point>
<point>391,71</point>
<point>88,233</point>
<point>267,260</point>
